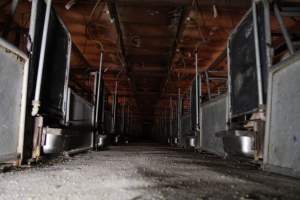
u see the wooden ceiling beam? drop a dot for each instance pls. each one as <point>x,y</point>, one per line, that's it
<point>78,52</point>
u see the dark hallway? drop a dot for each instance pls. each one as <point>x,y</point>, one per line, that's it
<point>149,99</point>
<point>146,171</point>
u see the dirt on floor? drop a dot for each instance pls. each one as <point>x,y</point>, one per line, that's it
<point>146,171</point>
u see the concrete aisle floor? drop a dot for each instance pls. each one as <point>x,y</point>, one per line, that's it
<point>146,172</point>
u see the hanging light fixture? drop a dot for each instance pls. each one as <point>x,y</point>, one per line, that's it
<point>215,11</point>
<point>70,4</point>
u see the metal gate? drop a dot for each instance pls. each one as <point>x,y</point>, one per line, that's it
<point>243,69</point>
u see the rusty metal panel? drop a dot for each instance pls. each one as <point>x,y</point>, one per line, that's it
<point>213,120</point>
<point>13,80</point>
<point>282,140</point>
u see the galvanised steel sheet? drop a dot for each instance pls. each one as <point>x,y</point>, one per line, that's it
<point>282,139</point>
<point>79,134</point>
<point>213,120</point>
<point>13,81</point>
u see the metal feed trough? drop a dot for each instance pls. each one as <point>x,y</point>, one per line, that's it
<point>13,92</point>
<point>53,140</point>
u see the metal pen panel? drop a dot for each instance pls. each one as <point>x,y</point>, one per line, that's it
<point>282,138</point>
<point>213,121</point>
<point>79,133</point>
<point>50,63</point>
<point>13,91</point>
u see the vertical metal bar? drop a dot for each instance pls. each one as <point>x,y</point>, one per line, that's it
<point>115,107</point>
<point>14,5</point>
<point>284,30</point>
<point>190,106</point>
<point>268,36</point>
<point>228,105</point>
<point>103,109</point>
<point>129,119</point>
<point>116,102</point>
<point>68,106</point>
<point>162,125</point>
<point>92,93</point>
<point>66,85</point>
<point>36,101</point>
<point>25,85</point>
<point>23,111</point>
<point>165,123</point>
<point>32,24</point>
<point>112,113</point>
<point>95,75</point>
<point>171,118</point>
<point>98,90</point>
<point>257,54</point>
<point>179,109</point>
<point>199,127</point>
<point>128,112</point>
<point>94,98</point>
<point>123,116</point>
<point>197,90</point>
<point>208,85</point>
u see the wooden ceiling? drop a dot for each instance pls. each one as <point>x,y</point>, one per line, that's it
<point>148,45</point>
<point>148,31</point>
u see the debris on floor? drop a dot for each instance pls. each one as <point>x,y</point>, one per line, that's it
<point>146,171</point>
